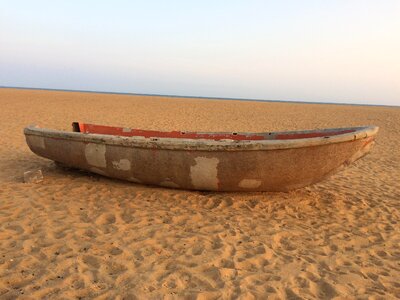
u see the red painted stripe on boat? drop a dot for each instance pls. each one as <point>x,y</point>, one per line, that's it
<point>81,127</point>
<point>291,136</point>
<point>120,131</point>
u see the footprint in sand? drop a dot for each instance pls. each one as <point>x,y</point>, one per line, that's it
<point>322,290</point>
<point>216,244</point>
<point>115,251</point>
<point>115,268</point>
<point>212,203</point>
<point>91,261</point>
<point>127,217</point>
<point>291,295</point>
<point>18,229</point>
<point>105,219</point>
<point>197,249</point>
<point>226,263</point>
<point>253,203</point>
<point>59,234</point>
<point>226,202</point>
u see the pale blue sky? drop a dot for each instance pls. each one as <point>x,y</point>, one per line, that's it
<point>326,51</point>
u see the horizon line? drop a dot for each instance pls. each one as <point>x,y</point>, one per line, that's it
<point>192,97</point>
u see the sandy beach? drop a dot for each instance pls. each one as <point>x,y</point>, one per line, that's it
<point>78,235</point>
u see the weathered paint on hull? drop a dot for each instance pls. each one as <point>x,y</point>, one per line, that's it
<point>276,168</point>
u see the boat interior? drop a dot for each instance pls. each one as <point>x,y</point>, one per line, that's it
<point>128,132</point>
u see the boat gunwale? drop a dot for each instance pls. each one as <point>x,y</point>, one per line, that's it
<point>208,144</point>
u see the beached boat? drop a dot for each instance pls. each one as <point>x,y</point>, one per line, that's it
<point>221,161</point>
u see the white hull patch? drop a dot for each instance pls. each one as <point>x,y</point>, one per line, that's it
<point>123,164</point>
<point>204,174</point>
<point>96,155</point>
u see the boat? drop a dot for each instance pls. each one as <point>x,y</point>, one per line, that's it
<point>210,161</point>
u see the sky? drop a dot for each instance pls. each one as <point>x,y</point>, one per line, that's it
<point>345,51</point>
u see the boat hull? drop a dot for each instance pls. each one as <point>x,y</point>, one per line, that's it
<point>215,168</point>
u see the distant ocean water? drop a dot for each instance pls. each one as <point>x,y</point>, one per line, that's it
<point>195,97</point>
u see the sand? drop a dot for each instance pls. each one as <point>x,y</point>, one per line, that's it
<point>77,235</point>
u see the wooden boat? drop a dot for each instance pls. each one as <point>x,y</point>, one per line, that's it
<point>220,161</point>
